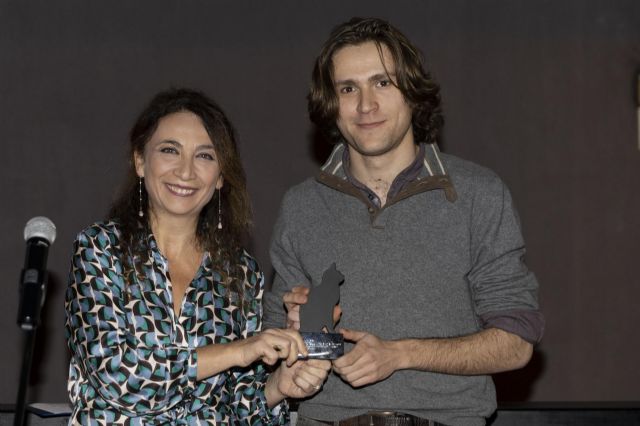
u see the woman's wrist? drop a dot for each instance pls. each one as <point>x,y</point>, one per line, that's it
<point>216,358</point>
<point>271,392</point>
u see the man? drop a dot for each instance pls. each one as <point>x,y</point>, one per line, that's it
<point>436,296</point>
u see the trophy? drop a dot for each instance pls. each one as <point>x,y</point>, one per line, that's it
<point>316,317</point>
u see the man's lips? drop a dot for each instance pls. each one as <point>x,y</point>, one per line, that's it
<point>180,191</point>
<point>370,125</point>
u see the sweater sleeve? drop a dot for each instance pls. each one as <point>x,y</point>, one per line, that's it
<point>127,368</point>
<point>288,270</point>
<point>504,290</point>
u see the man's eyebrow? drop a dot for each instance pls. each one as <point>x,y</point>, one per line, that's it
<point>375,77</point>
<point>347,82</point>
<point>382,76</point>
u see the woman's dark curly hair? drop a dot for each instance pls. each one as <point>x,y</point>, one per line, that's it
<point>419,89</point>
<point>224,245</point>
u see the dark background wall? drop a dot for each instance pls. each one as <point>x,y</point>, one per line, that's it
<point>540,91</point>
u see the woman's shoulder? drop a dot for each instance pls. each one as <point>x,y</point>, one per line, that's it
<point>249,261</point>
<point>102,232</point>
<point>253,277</point>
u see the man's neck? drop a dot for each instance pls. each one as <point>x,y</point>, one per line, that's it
<point>378,172</point>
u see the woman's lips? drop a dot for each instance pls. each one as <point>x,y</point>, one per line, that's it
<point>180,191</point>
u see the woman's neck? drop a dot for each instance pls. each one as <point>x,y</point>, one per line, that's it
<point>175,236</point>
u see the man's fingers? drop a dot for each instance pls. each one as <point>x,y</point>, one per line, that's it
<point>352,335</point>
<point>356,370</point>
<point>300,289</point>
<point>293,318</point>
<point>297,296</point>
<point>337,313</point>
<point>291,323</point>
<point>347,360</point>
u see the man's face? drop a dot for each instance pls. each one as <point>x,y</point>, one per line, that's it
<point>373,115</point>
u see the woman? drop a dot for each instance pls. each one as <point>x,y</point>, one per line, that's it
<point>163,305</point>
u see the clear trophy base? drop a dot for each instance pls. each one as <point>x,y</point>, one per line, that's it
<point>323,345</point>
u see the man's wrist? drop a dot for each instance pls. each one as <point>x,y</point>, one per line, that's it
<point>405,350</point>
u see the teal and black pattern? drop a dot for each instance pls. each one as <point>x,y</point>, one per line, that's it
<point>134,360</point>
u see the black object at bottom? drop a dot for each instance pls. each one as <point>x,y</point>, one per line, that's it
<point>383,418</point>
<point>323,345</point>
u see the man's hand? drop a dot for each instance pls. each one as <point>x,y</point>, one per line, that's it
<point>292,300</point>
<point>371,359</point>
<point>299,296</point>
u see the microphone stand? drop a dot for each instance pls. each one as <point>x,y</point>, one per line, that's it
<point>32,295</point>
<point>24,377</point>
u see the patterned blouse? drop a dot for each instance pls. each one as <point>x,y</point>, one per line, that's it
<point>134,361</point>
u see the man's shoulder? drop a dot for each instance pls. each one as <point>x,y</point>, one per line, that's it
<point>459,167</point>
<point>305,190</point>
<point>465,173</point>
<point>304,203</point>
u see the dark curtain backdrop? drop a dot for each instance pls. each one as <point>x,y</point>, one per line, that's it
<point>540,91</point>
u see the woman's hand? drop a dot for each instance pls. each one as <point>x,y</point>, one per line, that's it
<point>300,380</point>
<point>270,346</point>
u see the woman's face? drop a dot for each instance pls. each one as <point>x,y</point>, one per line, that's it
<point>179,166</point>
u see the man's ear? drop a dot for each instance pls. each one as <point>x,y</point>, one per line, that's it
<point>138,162</point>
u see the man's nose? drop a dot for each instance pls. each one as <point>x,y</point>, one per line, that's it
<point>367,102</point>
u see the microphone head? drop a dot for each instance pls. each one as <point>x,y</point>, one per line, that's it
<point>40,227</point>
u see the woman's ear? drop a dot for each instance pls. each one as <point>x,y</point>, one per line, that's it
<point>138,161</point>
<point>220,182</point>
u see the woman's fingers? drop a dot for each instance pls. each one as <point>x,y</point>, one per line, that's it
<point>312,374</point>
<point>281,344</point>
<point>297,346</point>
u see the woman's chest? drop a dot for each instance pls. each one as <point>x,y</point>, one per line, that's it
<point>206,315</point>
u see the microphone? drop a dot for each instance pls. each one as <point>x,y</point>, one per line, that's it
<point>39,233</point>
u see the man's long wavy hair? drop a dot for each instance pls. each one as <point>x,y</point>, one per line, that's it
<point>224,245</point>
<point>420,91</point>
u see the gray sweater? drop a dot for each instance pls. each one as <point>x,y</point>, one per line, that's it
<point>442,258</point>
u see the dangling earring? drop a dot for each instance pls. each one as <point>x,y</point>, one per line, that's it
<point>219,209</point>
<point>140,212</point>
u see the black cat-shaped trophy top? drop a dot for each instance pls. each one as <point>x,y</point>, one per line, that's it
<point>317,313</point>
<point>316,317</point>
